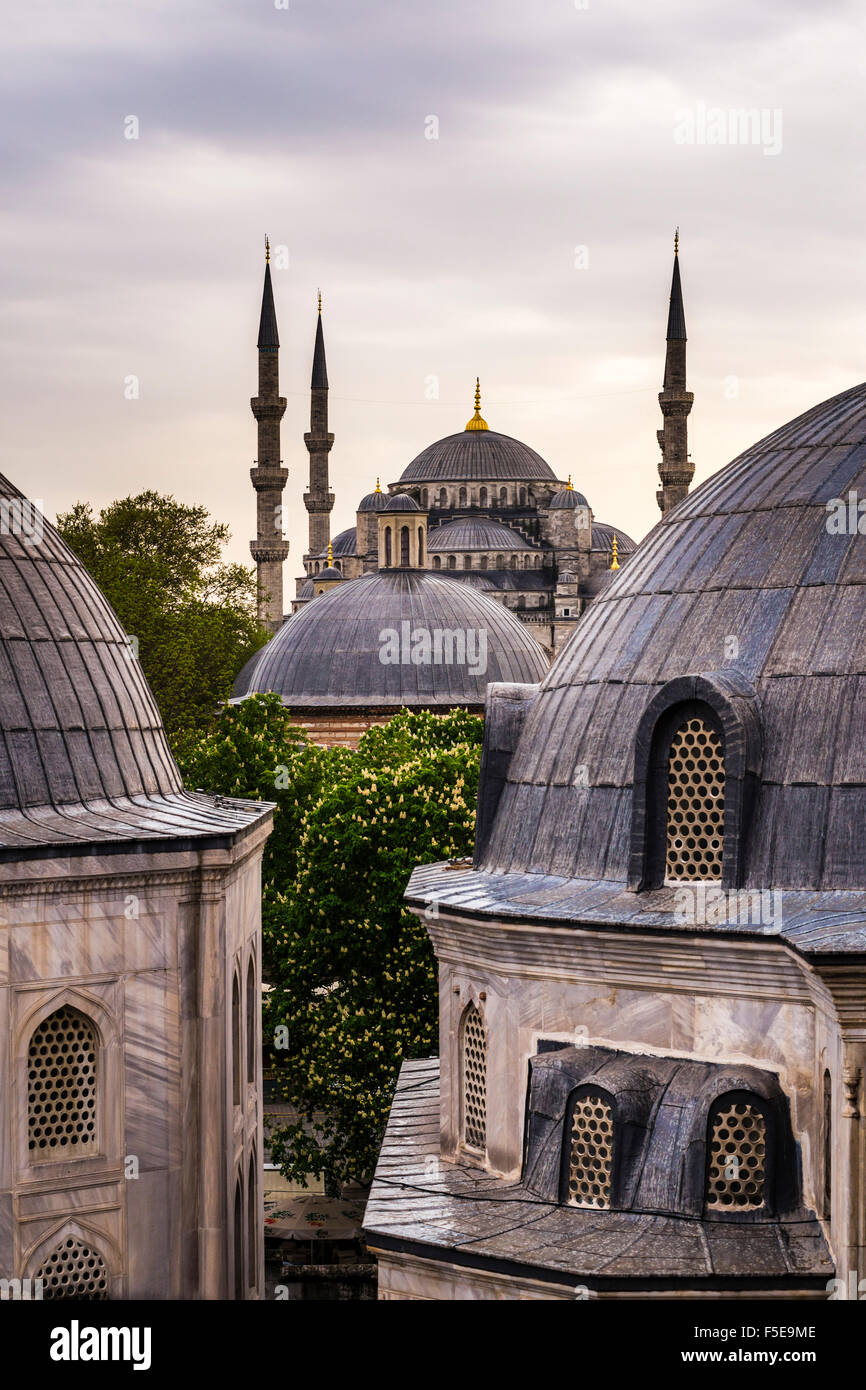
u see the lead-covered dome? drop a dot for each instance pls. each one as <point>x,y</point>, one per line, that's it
<point>481,455</point>
<point>743,596</point>
<point>338,650</point>
<point>83,754</point>
<point>475,533</point>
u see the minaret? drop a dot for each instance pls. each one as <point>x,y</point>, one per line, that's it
<point>675,470</point>
<point>269,550</point>
<point>319,500</point>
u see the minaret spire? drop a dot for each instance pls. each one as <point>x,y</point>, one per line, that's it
<point>319,499</point>
<point>676,469</point>
<point>269,550</point>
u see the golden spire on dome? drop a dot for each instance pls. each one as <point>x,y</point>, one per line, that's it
<point>614,562</point>
<point>569,487</point>
<point>331,555</point>
<point>267,251</point>
<point>377,488</point>
<point>477,423</point>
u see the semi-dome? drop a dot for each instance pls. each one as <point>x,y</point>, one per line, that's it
<point>481,455</point>
<point>602,539</point>
<point>746,599</point>
<point>333,653</point>
<point>83,754</point>
<point>475,533</point>
<point>343,544</point>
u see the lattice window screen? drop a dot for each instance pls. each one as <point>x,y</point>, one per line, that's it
<point>696,804</point>
<point>62,1086</point>
<point>738,1150</point>
<point>73,1270</point>
<point>591,1155</point>
<point>474,1080</point>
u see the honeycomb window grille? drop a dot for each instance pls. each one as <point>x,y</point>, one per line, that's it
<point>737,1158</point>
<point>474,1080</point>
<point>62,1081</point>
<point>590,1152</point>
<point>695,804</point>
<point>74,1270</point>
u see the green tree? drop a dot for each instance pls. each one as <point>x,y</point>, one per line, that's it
<point>158,561</point>
<point>352,973</point>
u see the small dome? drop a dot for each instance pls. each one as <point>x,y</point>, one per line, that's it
<point>402,502</point>
<point>566,577</point>
<point>329,572</point>
<point>306,590</point>
<point>602,540</point>
<point>568,497</point>
<point>329,654</point>
<point>374,501</point>
<point>481,455</point>
<point>475,533</point>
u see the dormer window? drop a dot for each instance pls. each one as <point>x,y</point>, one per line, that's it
<point>695,802</point>
<point>589,1174</point>
<point>737,1145</point>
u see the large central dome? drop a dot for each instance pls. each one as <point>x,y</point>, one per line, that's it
<point>478,455</point>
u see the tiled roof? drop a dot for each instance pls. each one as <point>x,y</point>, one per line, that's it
<point>477,454</point>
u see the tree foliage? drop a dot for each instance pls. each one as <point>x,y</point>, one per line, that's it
<point>352,972</point>
<point>158,562</point>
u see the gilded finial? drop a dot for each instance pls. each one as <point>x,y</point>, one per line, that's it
<point>477,423</point>
<point>378,489</point>
<point>677,242</point>
<point>330,556</point>
<point>569,486</point>
<point>319,292</point>
<point>614,562</point>
<point>267,251</point>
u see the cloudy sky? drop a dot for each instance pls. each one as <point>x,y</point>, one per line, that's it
<point>530,243</point>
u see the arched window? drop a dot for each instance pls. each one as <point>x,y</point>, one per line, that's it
<point>467,562</point>
<point>462,497</point>
<point>503,496</point>
<point>474,1052</point>
<point>316,567</point>
<point>387,546</point>
<point>443,497</point>
<point>588,1176</point>
<point>514,562</point>
<point>452,562</point>
<point>482,497</point>
<point>252,1224</point>
<point>239,1241</point>
<point>523,497</point>
<point>62,1081</point>
<point>338,564</point>
<point>420,545</point>
<point>404,545</point>
<point>236,1042</point>
<point>499,562</point>
<point>437,562</point>
<point>828,1147</point>
<point>737,1153</point>
<point>482,563</point>
<point>526,560</point>
<point>424,498</point>
<point>694,840</point>
<point>74,1270</point>
<point>538,562</point>
<point>252,1022</point>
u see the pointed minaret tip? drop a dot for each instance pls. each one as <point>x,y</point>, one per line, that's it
<point>319,296</point>
<point>269,338</point>
<point>677,242</point>
<point>477,423</point>
<point>319,380</point>
<point>267,250</point>
<point>676,312</point>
